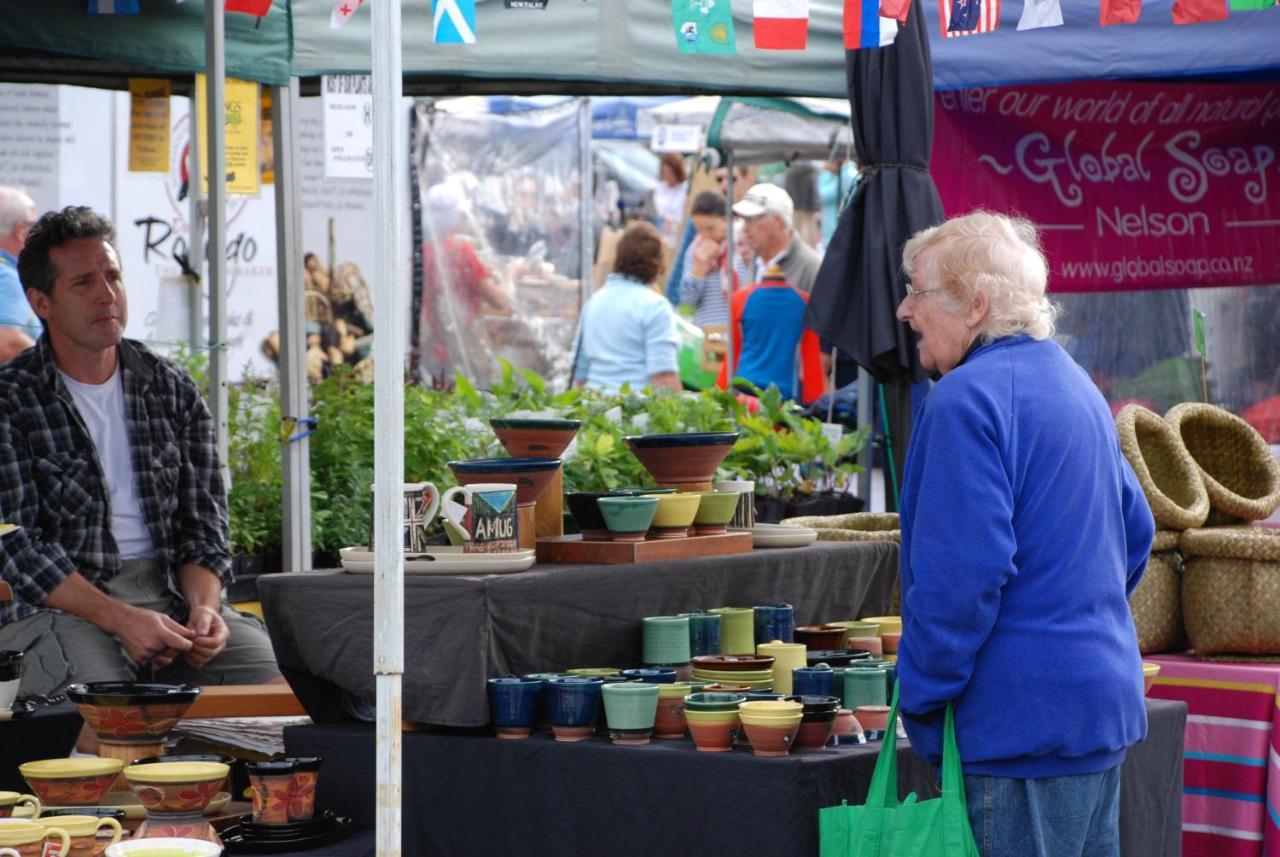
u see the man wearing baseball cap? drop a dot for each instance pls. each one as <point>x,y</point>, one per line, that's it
<point>768,213</point>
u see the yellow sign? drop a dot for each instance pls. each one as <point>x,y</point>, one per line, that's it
<point>241,135</point>
<point>148,125</point>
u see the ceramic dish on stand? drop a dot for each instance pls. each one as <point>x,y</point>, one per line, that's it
<point>245,837</point>
<point>443,559</point>
<point>778,536</point>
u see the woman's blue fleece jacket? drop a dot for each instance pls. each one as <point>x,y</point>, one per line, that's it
<point>1023,532</point>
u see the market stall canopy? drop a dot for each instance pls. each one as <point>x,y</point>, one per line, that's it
<point>164,39</point>
<point>761,129</point>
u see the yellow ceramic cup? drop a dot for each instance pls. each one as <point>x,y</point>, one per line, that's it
<point>83,830</point>
<point>11,801</point>
<point>19,836</point>
<point>786,657</point>
<point>888,624</point>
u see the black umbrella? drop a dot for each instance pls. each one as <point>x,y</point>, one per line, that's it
<point>861,280</point>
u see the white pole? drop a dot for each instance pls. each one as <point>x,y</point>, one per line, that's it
<point>389,327</point>
<point>216,103</point>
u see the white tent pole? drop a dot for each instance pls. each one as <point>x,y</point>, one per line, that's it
<point>296,455</point>
<point>733,267</point>
<point>215,102</point>
<point>585,202</point>
<point>389,328</point>
<point>195,233</point>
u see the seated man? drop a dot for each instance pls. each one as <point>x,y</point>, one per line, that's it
<point>108,464</point>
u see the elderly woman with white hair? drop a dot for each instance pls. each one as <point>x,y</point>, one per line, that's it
<point>1024,531</point>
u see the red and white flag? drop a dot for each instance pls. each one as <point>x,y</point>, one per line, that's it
<point>257,8</point>
<point>1119,12</point>
<point>988,17</point>
<point>781,25</point>
<point>1040,13</point>
<point>1199,11</point>
<point>342,12</point>
<point>896,9</point>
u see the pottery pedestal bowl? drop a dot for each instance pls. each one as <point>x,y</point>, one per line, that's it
<point>131,718</point>
<point>531,476</point>
<point>536,437</point>
<point>176,794</point>
<point>686,462</point>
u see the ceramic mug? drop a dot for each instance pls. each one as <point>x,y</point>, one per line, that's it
<point>744,517</point>
<point>9,801</point>
<point>83,830</point>
<point>30,839</point>
<point>420,504</point>
<point>485,519</point>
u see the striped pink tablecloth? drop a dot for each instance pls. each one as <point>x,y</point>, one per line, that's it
<point>1231,779</point>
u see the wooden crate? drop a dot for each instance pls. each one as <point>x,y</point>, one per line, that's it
<point>573,549</point>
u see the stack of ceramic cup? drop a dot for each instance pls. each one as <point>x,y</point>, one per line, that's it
<point>666,642</point>
<point>737,630</point>
<point>745,671</point>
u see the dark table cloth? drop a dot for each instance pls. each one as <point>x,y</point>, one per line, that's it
<point>461,630</point>
<point>469,794</point>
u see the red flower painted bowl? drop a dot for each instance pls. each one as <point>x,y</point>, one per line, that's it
<point>177,787</point>
<point>124,712</point>
<point>82,781</point>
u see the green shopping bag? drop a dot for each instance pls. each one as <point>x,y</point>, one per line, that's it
<point>883,827</point>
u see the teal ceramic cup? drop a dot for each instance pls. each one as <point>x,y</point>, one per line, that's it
<point>630,710</point>
<point>628,518</point>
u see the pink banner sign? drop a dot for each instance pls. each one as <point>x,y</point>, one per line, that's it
<point>1135,185</point>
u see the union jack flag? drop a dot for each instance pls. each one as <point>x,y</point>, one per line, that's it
<point>968,17</point>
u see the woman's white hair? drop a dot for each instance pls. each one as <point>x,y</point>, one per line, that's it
<point>994,254</point>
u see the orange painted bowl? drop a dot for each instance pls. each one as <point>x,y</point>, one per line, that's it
<point>1149,673</point>
<point>535,437</point>
<point>132,712</point>
<point>185,787</point>
<point>82,781</point>
<point>684,461</point>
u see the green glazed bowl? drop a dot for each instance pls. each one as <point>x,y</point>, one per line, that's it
<point>628,518</point>
<point>715,511</point>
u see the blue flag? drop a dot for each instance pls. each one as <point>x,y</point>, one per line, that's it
<point>113,7</point>
<point>454,22</point>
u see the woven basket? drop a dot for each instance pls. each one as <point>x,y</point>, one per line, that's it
<point>1231,590</point>
<point>1165,540</point>
<point>1156,605</point>
<point>855,527</point>
<point>1240,474</point>
<point>1168,474</point>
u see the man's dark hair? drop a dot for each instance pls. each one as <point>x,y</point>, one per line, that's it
<point>710,202</point>
<point>639,252</point>
<point>54,229</point>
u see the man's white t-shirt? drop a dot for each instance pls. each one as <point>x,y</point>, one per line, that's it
<point>102,408</point>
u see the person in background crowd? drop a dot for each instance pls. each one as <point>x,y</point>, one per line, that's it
<point>741,181</point>
<point>703,286</point>
<point>1024,531</point>
<point>801,183</point>
<point>627,332</point>
<point>19,328</point>
<point>767,211</point>
<point>669,196</point>
<point>109,466</point>
<point>771,345</point>
<point>834,183</point>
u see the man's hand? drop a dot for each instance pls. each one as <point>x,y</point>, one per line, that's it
<point>146,634</point>
<point>209,636</point>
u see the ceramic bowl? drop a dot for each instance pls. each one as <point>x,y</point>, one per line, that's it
<point>770,735</point>
<point>1149,673</point>
<point>819,636</point>
<point>714,512</point>
<point>712,731</point>
<point>890,640</point>
<point>887,624</point>
<point>177,786</point>
<point>124,712</point>
<point>713,701</point>
<point>674,514</point>
<point>854,628</point>
<point>82,781</point>
<point>684,461</point>
<point>770,710</point>
<point>734,677</point>
<point>874,718</point>
<point>628,518</point>
<point>734,663</point>
<point>164,846</point>
<point>530,475</point>
<point>535,437</point>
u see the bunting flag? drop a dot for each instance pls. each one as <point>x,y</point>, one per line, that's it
<point>704,26</point>
<point>898,10</point>
<point>1119,12</point>
<point>1040,13</point>
<point>453,22</point>
<point>781,25</point>
<point>113,7</point>
<point>968,17</point>
<point>1199,11</point>
<point>257,8</point>
<point>865,25</point>
<point>342,12</point>
<point>1250,5</point>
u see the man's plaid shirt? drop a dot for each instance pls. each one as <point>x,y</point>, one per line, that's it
<point>52,484</point>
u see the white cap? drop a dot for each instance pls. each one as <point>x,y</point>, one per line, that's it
<point>444,207</point>
<point>765,199</point>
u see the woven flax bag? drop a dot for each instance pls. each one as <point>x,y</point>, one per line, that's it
<point>1231,590</point>
<point>1156,603</point>
<point>1239,471</point>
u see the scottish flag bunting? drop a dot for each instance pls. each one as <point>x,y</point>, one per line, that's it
<point>454,22</point>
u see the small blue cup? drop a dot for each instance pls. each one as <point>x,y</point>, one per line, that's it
<point>513,703</point>
<point>652,675</point>
<point>704,633</point>
<point>775,622</point>
<point>574,702</point>
<point>813,681</point>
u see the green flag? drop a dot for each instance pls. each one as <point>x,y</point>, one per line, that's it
<point>703,26</point>
<point>1251,5</point>
<point>1197,331</point>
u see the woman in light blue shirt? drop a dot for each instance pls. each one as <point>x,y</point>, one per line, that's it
<point>627,331</point>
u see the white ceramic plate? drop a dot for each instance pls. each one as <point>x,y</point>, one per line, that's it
<point>448,560</point>
<point>778,536</point>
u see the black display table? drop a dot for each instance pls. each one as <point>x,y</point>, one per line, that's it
<point>470,794</point>
<point>461,630</point>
